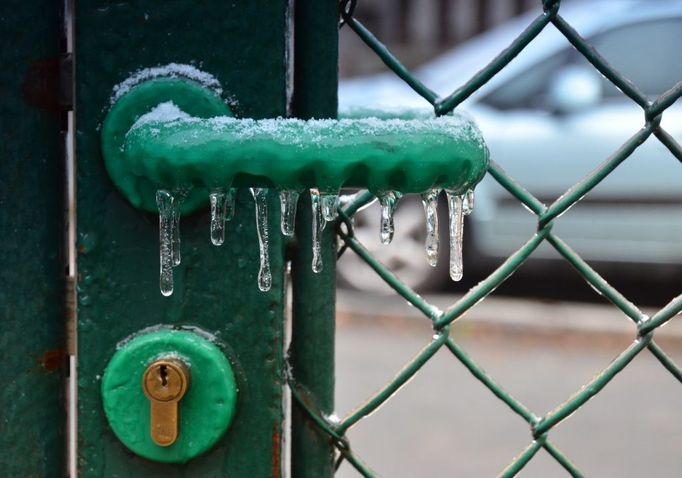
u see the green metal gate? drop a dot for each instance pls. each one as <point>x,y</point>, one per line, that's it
<point>547,214</point>
<point>117,245</point>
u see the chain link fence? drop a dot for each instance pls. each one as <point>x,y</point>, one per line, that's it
<point>547,214</point>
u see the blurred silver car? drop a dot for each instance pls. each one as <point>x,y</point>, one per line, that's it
<point>549,118</point>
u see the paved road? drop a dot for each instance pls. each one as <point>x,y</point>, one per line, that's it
<point>445,423</point>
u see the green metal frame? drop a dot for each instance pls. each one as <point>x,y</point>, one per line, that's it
<point>215,288</point>
<point>311,353</point>
<point>117,244</point>
<point>32,276</point>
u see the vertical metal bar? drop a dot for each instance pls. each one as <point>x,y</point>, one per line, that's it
<point>312,342</point>
<point>243,44</point>
<point>316,51</point>
<point>32,282</point>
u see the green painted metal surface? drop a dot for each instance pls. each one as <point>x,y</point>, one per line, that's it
<point>311,353</point>
<point>215,288</point>
<point>32,275</point>
<point>205,411</point>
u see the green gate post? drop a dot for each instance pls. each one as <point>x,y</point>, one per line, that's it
<point>312,340</point>
<point>243,44</point>
<point>31,237</point>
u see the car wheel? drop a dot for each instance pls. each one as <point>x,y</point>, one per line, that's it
<point>405,256</point>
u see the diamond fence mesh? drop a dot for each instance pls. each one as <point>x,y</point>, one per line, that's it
<point>540,426</point>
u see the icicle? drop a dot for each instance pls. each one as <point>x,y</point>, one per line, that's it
<point>468,205</point>
<point>179,196</point>
<point>330,205</point>
<point>218,199</point>
<point>164,202</point>
<point>388,201</point>
<point>260,196</point>
<point>229,203</point>
<point>430,203</point>
<point>456,213</point>
<point>288,201</point>
<point>318,226</point>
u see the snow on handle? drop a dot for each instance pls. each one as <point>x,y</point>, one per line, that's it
<point>171,70</point>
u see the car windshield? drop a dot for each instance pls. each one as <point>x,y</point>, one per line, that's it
<point>638,50</point>
<point>635,50</point>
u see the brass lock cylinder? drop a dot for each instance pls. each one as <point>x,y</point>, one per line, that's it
<point>165,382</point>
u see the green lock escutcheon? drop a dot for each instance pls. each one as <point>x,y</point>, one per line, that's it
<point>205,411</point>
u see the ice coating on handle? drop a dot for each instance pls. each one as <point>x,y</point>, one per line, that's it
<point>162,140</point>
<point>288,203</point>
<point>432,243</point>
<point>218,200</point>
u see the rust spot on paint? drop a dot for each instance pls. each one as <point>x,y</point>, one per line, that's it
<point>52,360</point>
<point>276,452</point>
<point>40,87</point>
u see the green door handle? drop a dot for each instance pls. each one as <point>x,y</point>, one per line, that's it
<point>172,145</point>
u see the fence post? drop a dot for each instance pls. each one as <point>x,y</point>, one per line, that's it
<point>32,272</point>
<point>242,43</point>
<point>312,343</point>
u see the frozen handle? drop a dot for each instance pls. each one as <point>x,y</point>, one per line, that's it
<point>171,145</point>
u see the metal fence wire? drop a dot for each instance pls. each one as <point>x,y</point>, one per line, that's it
<point>547,214</point>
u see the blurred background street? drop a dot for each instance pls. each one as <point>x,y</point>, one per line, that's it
<point>418,30</point>
<point>549,118</point>
<point>446,423</point>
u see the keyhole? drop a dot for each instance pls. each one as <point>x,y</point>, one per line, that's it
<point>163,373</point>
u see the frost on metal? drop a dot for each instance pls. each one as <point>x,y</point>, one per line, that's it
<point>171,70</point>
<point>163,113</point>
<point>303,133</point>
